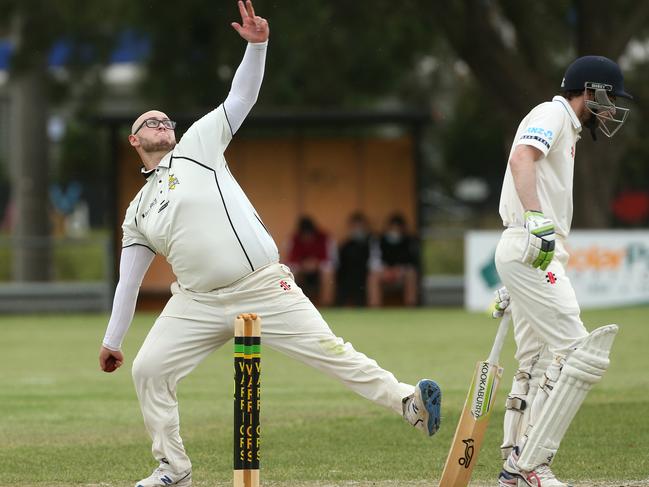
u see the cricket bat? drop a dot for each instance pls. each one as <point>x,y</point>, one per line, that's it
<point>467,441</point>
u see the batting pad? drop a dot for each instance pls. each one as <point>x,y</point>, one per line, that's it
<point>518,406</point>
<point>583,368</point>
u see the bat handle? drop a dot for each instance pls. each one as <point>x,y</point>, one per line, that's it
<point>500,338</point>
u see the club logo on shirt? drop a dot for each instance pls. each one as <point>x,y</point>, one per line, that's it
<point>551,278</point>
<point>173,182</point>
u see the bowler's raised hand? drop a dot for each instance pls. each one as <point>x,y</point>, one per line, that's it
<point>252,28</point>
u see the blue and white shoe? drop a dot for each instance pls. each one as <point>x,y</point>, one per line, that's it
<point>422,409</point>
<point>163,476</point>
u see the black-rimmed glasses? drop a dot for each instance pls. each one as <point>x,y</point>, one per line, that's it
<point>154,123</point>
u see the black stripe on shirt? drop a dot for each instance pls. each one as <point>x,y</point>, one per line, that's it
<point>225,207</point>
<point>137,209</point>
<point>141,245</point>
<point>262,224</point>
<point>227,119</point>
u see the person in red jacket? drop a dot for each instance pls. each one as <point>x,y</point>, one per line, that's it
<point>311,257</point>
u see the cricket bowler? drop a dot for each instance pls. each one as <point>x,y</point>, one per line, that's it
<point>192,211</point>
<point>558,359</point>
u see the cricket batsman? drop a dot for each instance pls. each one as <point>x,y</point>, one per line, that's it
<point>192,211</point>
<point>559,360</point>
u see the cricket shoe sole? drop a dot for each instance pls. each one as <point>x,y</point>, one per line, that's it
<point>428,397</point>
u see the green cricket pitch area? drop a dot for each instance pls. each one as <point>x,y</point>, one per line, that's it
<point>65,423</point>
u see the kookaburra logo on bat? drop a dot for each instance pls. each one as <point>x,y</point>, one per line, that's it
<point>479,399</point>
<point>465,461</point>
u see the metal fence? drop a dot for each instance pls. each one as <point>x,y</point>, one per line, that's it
<point>80,271</point>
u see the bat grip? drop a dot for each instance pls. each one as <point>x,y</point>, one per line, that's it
<point>501,334</point>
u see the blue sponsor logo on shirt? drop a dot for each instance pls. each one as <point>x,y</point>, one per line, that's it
<point>546,134</point>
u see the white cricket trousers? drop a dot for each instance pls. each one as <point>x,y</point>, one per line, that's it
<point>193,325</point>
<point>545,311</point>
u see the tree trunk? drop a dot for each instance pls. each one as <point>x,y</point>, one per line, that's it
<point>31,230</point>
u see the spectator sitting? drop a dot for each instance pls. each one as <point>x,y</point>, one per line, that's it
<point>397,266</point>
<point>310,258</point>
<point>353,263</point>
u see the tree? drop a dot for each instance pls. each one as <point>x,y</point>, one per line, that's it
<point>321,54</point>
<point>36,26</point>
<point>523,49</point>
<point>28,160</point>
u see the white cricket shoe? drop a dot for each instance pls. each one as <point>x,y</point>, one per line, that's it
<point>163,476</point>
<point>541,476</point>
<point>422,408</point>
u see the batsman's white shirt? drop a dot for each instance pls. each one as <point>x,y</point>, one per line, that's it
<point>553,128</point>
<point>192,211</point>
<point>544,304</point>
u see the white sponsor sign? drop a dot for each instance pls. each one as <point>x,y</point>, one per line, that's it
<point>606,268</point>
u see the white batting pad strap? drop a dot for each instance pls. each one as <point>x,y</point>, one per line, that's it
<point>515,403</point>
<point>583,368</point>
<point>516,419</point>
<point>520,387</point>
<point>515,406</point>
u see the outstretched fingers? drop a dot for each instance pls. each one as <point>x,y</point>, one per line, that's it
<point>250,8</point>
<point>252,27</point>
<point>243,11</point>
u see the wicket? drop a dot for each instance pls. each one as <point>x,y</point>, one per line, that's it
<point>247,376</point>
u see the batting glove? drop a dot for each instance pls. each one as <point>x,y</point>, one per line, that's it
<point>540,240</point>
<point>500,303</point>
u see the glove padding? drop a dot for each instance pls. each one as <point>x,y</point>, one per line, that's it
<point>540,240</point>
<point>500,303</point>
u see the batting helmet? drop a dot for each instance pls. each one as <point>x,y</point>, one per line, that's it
<point>595,72</point>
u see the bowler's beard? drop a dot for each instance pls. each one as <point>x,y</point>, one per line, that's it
<point>157,146</point>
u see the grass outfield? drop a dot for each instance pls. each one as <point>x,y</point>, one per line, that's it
<point>65,423</point>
